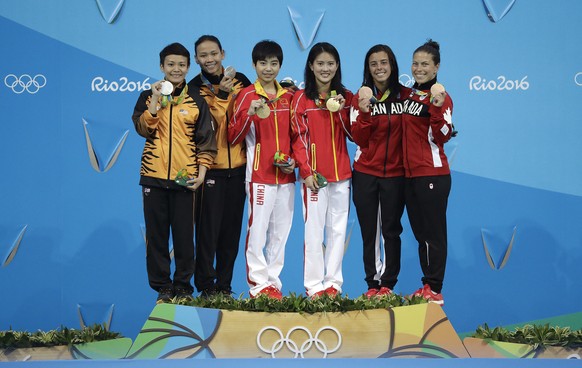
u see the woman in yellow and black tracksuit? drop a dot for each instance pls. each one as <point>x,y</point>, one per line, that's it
<point>222,196</point>
<point>179,136</point>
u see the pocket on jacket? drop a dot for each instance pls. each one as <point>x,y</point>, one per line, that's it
<point>313,157</point>
<point>257,156</point>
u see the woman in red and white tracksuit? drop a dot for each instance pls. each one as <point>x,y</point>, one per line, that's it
<point>320,116</point>
<point>378,176</point>
<point>427,126</point>
<point>270,189</point>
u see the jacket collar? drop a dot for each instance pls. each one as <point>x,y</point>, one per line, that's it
<point>261,91</point>
<point>425,86</point>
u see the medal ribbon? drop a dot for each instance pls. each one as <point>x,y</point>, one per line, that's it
<point>321,104</point>
<point>207,83</point>
<point>384,96</point>
<point>262,93</point>
<point>266,101</point>
<point>417,92</point>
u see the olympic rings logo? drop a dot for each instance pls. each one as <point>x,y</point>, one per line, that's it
<point>25,83</point>
<point>299,351</point>
<point>578,79</point>
<point>406,80</point>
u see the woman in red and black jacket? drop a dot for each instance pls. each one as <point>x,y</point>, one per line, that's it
<point>426,126</point>
<point>378,174</point>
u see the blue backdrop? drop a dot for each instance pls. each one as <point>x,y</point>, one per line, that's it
<point>71,223</point>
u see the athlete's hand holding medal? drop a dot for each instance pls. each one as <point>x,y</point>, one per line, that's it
<point>332,101</point>
<point>335,102</point>
<point>162,89</point>
<point>260,108</point>
<point>365,98</point>
<point>437,94</point>
<point>166,88</point>
<point>227,82</point>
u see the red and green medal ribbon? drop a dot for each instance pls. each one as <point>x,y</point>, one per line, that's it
<point>320,102</point>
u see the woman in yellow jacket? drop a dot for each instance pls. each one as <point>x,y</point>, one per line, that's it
<point>222,196</point>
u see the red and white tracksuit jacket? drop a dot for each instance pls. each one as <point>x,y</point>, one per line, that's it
<point>270,192</point>
<point>425,130</point>
<point>322,137</point>
<point>263,137</point>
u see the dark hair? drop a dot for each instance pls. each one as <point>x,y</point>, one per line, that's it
<point>432,48</point>
<point>310,84</point>
<point>174,49</point>
<point>204,38</point>
<point>265,49</point>
<point>393,81</point>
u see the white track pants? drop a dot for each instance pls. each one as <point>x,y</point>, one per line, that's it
<point>326,217</point>
<point>270,211</point>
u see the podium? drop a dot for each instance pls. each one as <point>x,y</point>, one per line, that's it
<point>182,332</point>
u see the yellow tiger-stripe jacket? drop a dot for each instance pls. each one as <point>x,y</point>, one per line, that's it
<point>179,137</point>
<point>221,107</point>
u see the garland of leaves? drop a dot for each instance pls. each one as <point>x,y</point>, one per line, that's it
<point>537,336</point>
<point>299,304</point>
<point>63,336</point>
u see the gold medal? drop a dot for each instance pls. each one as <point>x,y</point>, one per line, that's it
<point>332,105</point>
<point>263,112</point>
